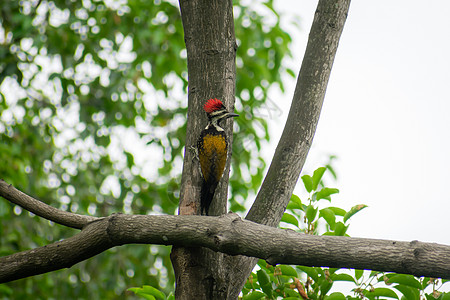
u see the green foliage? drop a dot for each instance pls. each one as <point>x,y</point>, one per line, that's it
<point>299,282</point>
<point>93,121</point>
<point>149,292</point>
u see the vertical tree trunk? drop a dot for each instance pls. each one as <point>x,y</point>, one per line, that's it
<point>211,52</point>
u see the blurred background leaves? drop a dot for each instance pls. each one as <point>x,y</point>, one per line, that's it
<point>92,120</point>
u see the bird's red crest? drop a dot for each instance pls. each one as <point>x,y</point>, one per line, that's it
<point>212,105</point>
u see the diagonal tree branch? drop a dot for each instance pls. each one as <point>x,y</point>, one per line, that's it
<point>232,235</point>
<point>298,133</point>
<point>43,210</point>
<point>92,240</point>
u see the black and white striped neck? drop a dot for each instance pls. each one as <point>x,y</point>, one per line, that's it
<point>213,123</point>
<point>215,117</point>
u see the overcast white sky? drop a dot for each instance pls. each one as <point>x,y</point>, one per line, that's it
<point>386,116</point>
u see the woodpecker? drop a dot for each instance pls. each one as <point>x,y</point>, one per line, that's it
<point>212,150</point>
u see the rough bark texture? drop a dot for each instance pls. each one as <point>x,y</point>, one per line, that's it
<point>232,235</point>
<point>211,51</point>
<point>300,127</point>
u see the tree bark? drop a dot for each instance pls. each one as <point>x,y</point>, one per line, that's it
<point>298,133</point>
<point>211,52</point>
<point>232,235</point>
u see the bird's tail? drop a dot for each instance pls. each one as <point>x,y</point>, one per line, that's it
<point>207,195</point>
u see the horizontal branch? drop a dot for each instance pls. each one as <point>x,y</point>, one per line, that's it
<point>43,210</point>
<point>231,235</point>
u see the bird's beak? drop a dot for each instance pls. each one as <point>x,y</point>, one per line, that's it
<point>231,115</point>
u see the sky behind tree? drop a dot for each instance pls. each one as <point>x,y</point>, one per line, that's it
<point>385,116</point>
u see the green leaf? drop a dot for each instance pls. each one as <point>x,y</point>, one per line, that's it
<point>317,176</point>
<point>310,271</point>
<point>130,159</point>
<point>262,264</point>
<point>386,277</point>
<point>342,277</point>
<point>328,216</point>
<point>335,296</point>
<point>404,279</point>
<point>332,171</point>
<point>329,233</point>
<point>332,270</point>
<point>262,277</point>
<point>307,182</point>
<point>5,290</point>
<point>311,213</point>
<point>296,200</point>
<point>326,192</point>
<point>325,286</point>
<point>445,296</point>
<point>381,292</point>
<point>171,296</point>
<point>288,271</point>
<point>5,208</point>
<point>148,290</point>
<point>424,282</point>
<point>154,292</point>
<point>264,282</point>
<point>353,211</point>
<point>291,72</point>
<point>292,205</point>
<point>139,292</point>
<point>290,292</point>
<point>253,295</point>
<point>338,211</point>
<point>235,207</point>
<point>340,229</point>
<point>358,274</point>
<point>408,292</point>
<point>288,218</point>
<point>374,273</point>
<point>295,203</point>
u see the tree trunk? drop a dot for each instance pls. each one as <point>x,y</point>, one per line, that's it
<point>210,42</point>
<point>211,52</point>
